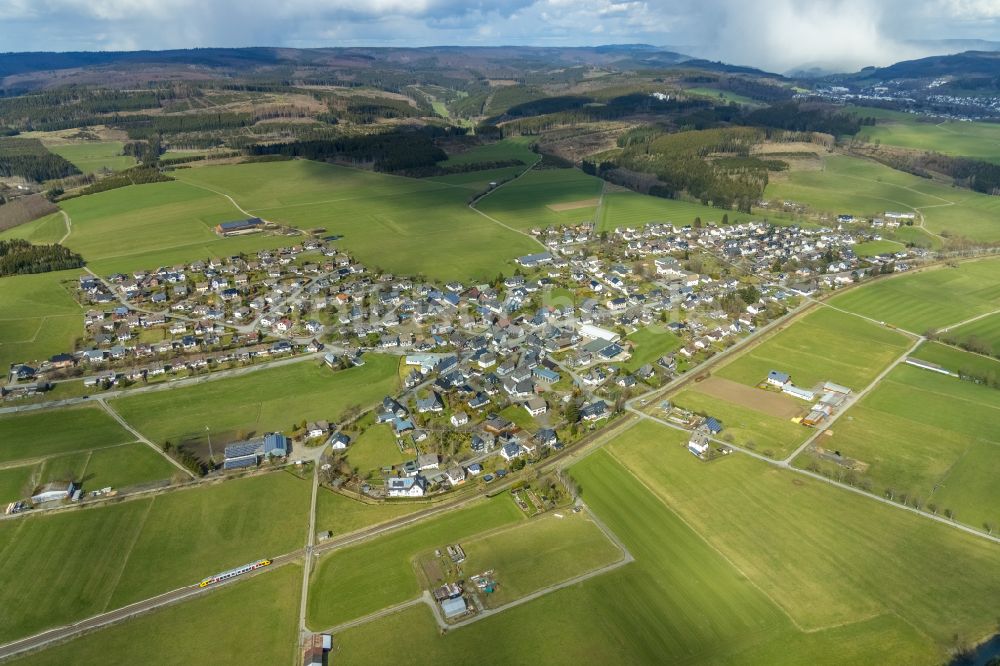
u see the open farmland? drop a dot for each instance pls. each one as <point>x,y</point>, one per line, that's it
<point>680,601</point>
<point>382,570</point>
<point>824,345</point>
<point>145,226</point>
<point>340,514</point>
<point>960,139</point>
<point>932,298</point>
<point>255,402</point>
<point>630,209</point>
<point>93,156</point>
<point>853,185</point>
<point>16,482</point>
<point>38,434</point>
<point>983,333</point>
<point>405,225</point>
<point>43,231</point>
<point>127,465</point>
<point>544,551</point>
<point>529,201</point>
<point>103,558</point>
<point>827,557</point>
<point>38,317</point>
<point>917,437</point>
<point>956,360</point>
<point>198,631</point>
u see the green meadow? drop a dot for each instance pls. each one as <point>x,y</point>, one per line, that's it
<point>875,248</point>
<point>374,448</point>
<point>524,203</point>
<point>932,298</point>
<point>957,360</point>
<point>825,556</point>
<point>404,225</point>
<point>39,434</point>
<point>44,231</point>
<point>685,599</point>
<point>630,209</point>
<point>38,316</point>
<point>382,571</point>
<point>931,437</point>
<point>94,156</point>
<point>651,343</point>
<point>824,345</point>
<point>862,187</point>
<point>258,402</point>
<point>104,558</point>
<point>199,630</point>
<point>961,139</point>
<point>985,330</point>
<point>16,483</point>
<point>340,514</point>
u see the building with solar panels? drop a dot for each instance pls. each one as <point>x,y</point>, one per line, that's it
<point>248,453</point>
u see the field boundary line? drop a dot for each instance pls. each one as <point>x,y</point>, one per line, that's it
<point>69,226</point>
<point>139,436</point>
<point>128,555</point>
<point>26,462</point>
<point>376,615</point>
<point>968,321</point>
<point>701,537</point>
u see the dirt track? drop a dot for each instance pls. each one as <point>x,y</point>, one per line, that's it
<point>766,402</point>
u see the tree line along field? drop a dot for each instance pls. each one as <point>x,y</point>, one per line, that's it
<point>985,331</point>
<point>381,571</point>
<point>932,298</point>
<point>38,316</point>
<point>862,187</point>
<point>93,156</point>
<point>404,225</point>
<point>928,437</point>
<point>823,345</point>
<point>258,402</point>
<point>682,600</point>
<point>98,559</point>
<point>199,630</point>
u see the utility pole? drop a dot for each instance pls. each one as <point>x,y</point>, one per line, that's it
<point>211,455</point>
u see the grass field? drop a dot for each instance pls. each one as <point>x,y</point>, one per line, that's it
<point>630,209</point>
<point>44,433</point>
<point>826,556</point>
<point>961,139</point>
<point>746,427</point>
<point>524,203</point>
<point>986,330</point>
<point>544,551</point>
<point>874,248</point>
<point>45,230</point>
<point>94,156</point>
<point>38,317</point>
<point>16,483</point>
<point>681,601</point>
<point>234,407</point>
<point>382,570</point>
<point>198,631</point>
<point>124,466</point>
<point>340,514</point>
<point>929,299</point>
<point>957,360</point>
<point>862,187</point>
<point>824,345</point>
<point>404,225</point>
<point>651,343</point>
<point>721,96</point>
<point>374,448</point>
<point>103,558</point>
<point>928,436</point>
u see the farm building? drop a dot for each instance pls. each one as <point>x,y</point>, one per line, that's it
<point>927,365</point>
<point>798,392</point>
<point>836,388</point>
<point>240,227</point>
<point>453,607</point>
<point>51,492</point>
<point>248,453</point>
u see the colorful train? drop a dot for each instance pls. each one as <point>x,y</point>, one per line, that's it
<point>232,573</point>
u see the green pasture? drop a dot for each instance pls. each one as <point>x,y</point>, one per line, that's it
<point>523,204</point>
<point>38,316</point>
<point>405,225</point>
<point>875,248</point>
<point>681,601</point>
<point>374,449</point>
<point>544,551</point>
<point>124,466</point>
<point>985,330</point>
<point>94,156</point>
<point>515,148</point>
<point>16,483</point>
<point>102,558</point>
<point>961,139</point>
<point>39,434</point>
<point>933,298</point>
<point>43,231</point>
<point>862,187</point>
<point>766,434</point>
<point>824,345</point>
<point>340,514</point>
<point>382,569</point>
<point>928,436</point>
<point>258,402</point>
<point>722,96</point>
<point>198,631</point>
<point>825,556</point>
<point>957,360</point>
<point>630,209</point>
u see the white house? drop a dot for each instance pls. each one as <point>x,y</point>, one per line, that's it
<point>405,487</point>
<point>535,406</point>
<point>459,419</point>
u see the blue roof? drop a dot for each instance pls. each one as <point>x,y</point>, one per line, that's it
<point>275,444</point>
<point>239,463</point>
<point>240,449</point>
<point>777,375</point>
<point>453,607</point>
<point>240,224</point>
<point>713,424</point>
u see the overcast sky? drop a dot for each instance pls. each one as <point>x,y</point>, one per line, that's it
<point>774,34</point>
